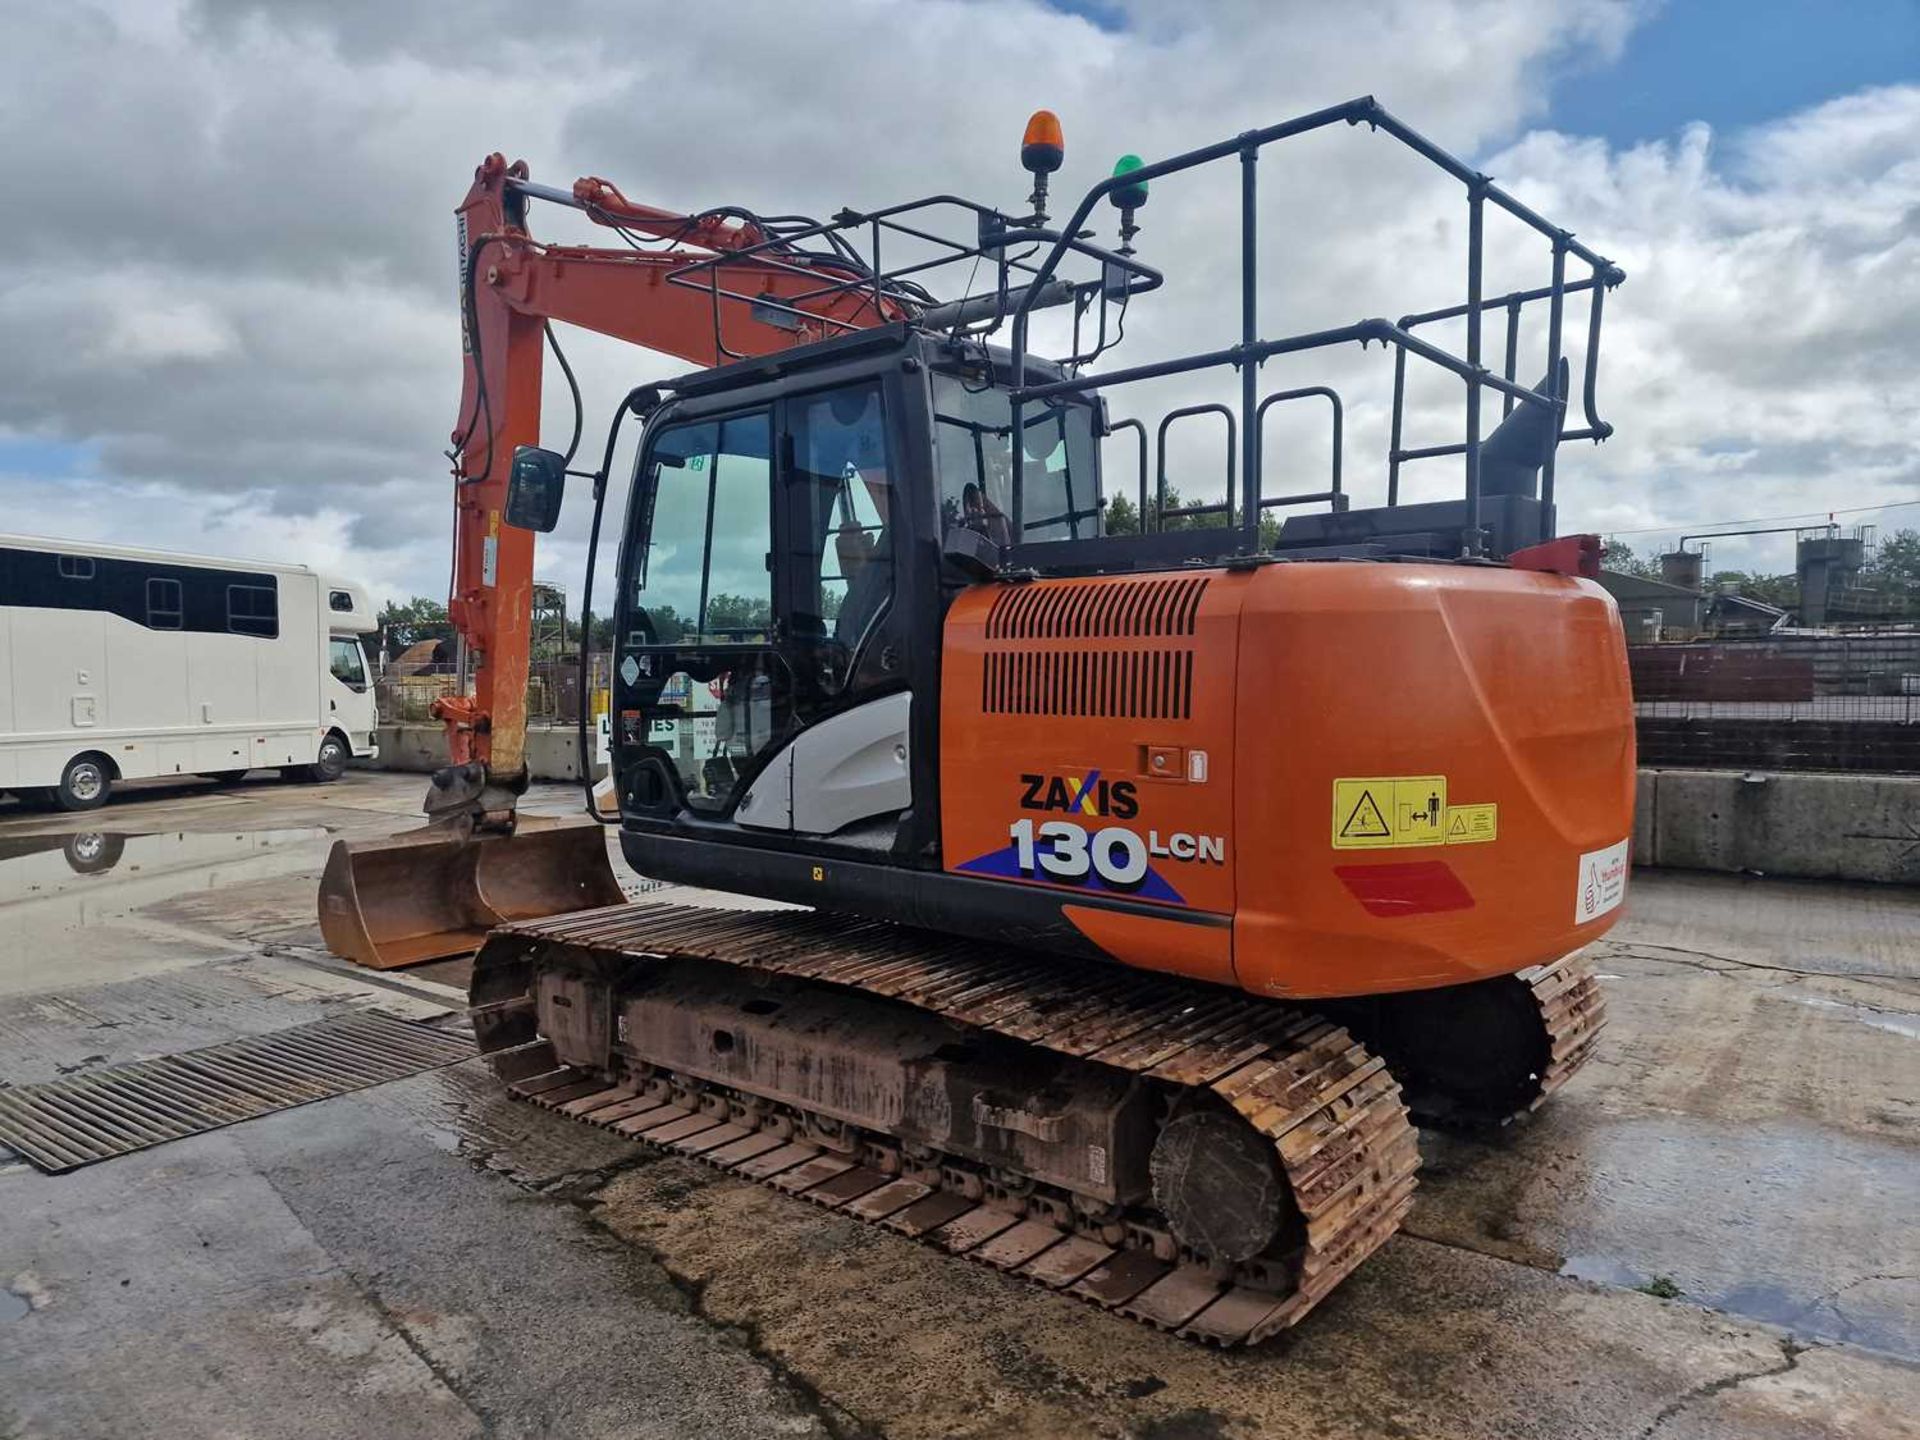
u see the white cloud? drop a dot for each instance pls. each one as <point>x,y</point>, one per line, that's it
<point>231,257</point>
<point>1762,357</point>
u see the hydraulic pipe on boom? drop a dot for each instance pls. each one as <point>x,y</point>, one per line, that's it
<point>434,892</point>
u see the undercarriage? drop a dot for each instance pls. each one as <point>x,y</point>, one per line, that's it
<point>1195,1158</point>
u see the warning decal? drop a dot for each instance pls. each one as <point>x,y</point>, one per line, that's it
<point>1387,811</point>
<point>1364,821</point>
<point>1472,824</point>
<point>1379,813</point>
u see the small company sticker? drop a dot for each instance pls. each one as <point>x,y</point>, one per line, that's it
<point>1602,883</point>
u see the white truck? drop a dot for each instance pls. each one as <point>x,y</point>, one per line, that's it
<point>124,664</point>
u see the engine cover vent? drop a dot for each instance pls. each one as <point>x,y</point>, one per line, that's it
<point>1097,609</point>
<point>1124,684</point>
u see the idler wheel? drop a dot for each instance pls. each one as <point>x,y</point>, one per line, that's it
<point>1218,1182</point>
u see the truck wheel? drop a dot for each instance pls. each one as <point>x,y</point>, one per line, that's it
<point>331,763</point>
<point>92,852</point>
<point>84,784</point>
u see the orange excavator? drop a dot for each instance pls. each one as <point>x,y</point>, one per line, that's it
<point>1142,865</point>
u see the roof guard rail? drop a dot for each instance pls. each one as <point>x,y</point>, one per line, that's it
<point>1250,351</point>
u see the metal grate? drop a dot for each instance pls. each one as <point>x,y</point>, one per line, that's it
<point>1125,684</point>
<point>68,1123</point>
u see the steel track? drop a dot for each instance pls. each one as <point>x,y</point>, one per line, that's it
<point>1331,1109</point>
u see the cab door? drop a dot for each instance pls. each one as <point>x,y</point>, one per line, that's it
<point>758,602</point>
<point>701,691</point>
<point>349,691</point>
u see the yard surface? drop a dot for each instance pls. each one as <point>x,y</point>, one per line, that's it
<point>1708,1233</point>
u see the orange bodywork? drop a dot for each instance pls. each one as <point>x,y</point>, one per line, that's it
<point>1343,778</point>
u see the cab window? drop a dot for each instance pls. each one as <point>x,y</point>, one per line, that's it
<point>348,664</point>
<point>703,576</point>
<point>973,425</point>
<point>840,496</point>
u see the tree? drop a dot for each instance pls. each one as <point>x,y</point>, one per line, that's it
<point>1123,518</point>
<point>737,613</point>
<point>1895,569</point>
<point>1780,591</point>
<point>1621,560</point>
<point>405,625</point>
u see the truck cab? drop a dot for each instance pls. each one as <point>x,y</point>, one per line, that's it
<point>347,688</point>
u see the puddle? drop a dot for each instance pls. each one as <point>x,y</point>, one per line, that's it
<point>1792,1225</point>
<point>106,885</point>
<point>1603,1270</point>
<point>33,866</point>
<point>13,1307</point>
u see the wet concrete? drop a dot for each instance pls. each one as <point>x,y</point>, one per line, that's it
<point>426,1258</point>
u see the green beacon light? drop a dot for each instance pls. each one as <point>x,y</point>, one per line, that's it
<point>1128,198</point>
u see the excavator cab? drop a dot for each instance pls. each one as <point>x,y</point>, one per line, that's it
<point>785,568</point>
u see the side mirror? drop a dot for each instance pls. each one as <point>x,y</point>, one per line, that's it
<point>536,485</point>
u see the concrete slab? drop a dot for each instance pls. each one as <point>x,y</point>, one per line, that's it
<point>327,1272</point>
<point>1813,826</point>
<point>428,1258</point>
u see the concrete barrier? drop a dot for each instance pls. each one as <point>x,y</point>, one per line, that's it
<point>1828,827</point>
<point>552,750</point>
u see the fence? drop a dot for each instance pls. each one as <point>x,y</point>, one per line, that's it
<point>1847,701</point>
<point>553,690</point>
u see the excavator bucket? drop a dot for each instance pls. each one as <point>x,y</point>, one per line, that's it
<point>424,896</point>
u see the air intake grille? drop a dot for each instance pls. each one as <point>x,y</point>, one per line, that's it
<point>1083,610</point>
<point>1124,684</point>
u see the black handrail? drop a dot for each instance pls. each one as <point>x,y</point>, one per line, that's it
<point>1250,351</point>
<point>1333,495</point>
<point>1026,254</point>
<point>1140,426</point>
<point>1160,510</point>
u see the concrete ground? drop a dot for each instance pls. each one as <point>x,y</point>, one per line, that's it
<point>424,1258</point>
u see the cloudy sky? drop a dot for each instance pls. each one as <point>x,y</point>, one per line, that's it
<point>228,318</point>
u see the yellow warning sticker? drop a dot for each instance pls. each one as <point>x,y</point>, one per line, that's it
<point>1472,824</point>
<point>1386,811</point>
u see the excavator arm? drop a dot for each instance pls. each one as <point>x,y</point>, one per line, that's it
<point>720,286</point>
<point>767,296</point>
